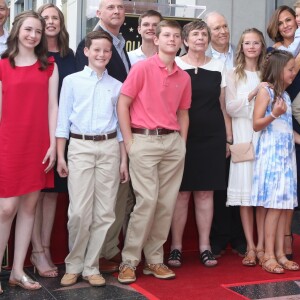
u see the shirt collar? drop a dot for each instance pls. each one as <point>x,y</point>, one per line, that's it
<point>90,72</point>
<point>162,65</point>
<point>118,41</point>
<point>139,52</point>
<point>217,54</point>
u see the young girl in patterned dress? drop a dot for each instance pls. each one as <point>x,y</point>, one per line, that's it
<point>275,176</point>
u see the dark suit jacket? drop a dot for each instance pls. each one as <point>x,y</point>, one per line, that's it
<point>115,67</point>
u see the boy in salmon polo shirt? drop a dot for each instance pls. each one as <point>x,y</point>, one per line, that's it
<point>153,116</point>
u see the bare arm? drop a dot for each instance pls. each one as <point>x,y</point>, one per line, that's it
<point>124,119</point>
<point>124,175</point>
<point>260,121</point>
<point>183,120</point>
<point>52,116</point>
<point>62,168</point>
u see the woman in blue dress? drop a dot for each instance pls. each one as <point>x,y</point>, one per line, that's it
<point>275,175</point>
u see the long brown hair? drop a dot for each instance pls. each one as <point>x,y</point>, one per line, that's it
<point>272,29</point>
<point>13,40</point>
<point>240,60</point>
<point>63,36</point>
<point>272,71</point>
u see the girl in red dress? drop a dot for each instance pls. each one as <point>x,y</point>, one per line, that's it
<point>28,112</point>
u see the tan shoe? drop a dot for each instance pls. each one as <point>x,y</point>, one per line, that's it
<point>126,273</point>
<point>160,271</point>
<point>69,279</point>
<point>95,280</point>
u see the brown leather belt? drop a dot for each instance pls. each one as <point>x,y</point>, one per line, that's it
<point>95,138</point>
<point>157,131</point>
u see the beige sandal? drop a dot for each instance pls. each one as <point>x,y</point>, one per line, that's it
<point>250,260</point>
<point>272,267</point>
<point>287,264</point>
<point>260,257</point>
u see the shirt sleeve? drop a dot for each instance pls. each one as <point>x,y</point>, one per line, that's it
<point>237,104</point>
<point>294,47</point>
<point>65,109</point>
<point>186,95</point>
<point>134,81</point>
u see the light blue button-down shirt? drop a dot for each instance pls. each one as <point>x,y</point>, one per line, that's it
<point>87,105</point>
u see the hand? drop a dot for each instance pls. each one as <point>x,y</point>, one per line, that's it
<point>124,174</point>
<point>255,91</point>
<point>51,156</point>
<point>279,107</point>
<point>227,150</point>
<point>62,168</point>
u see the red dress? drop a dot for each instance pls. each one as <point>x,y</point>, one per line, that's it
<point>24,130</point>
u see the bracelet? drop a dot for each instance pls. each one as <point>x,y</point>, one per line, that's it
<point>273,116</point>
<point>230,143</point>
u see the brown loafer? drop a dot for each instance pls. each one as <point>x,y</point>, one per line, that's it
<point>69,279</point>
<point>107,266</point>
<point>95,279</point>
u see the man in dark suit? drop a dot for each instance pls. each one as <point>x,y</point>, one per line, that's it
<point>111,14</point>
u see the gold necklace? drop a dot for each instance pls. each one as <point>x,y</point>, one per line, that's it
<point>198,65</point>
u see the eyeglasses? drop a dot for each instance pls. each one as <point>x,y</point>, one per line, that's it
<point>253,44</point>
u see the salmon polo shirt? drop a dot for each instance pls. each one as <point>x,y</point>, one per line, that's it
<point>157,95</point>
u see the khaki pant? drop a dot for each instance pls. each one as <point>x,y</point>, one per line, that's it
<point>156,168</point>
<point>125,202</point>
<point>93,184</point>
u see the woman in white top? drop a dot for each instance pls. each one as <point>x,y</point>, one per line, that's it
<point>243,83</point>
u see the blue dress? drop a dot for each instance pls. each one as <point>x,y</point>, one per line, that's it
<point>275,171</point>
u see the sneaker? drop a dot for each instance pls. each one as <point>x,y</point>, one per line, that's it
<point>160,271</point>
<point>126,273</point>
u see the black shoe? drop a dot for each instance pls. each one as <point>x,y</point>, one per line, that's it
<point>240,249</point>
<point>217,250</point>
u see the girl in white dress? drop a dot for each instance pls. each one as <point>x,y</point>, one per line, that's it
<point>243,83</point>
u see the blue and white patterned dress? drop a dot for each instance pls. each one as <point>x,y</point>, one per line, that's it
<point>275,174</point>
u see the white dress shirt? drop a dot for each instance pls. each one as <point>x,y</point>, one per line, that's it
<point>136,55</point>
<point>87,104</point>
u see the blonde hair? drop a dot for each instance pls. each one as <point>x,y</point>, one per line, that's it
<point>240,60</point>
<point>296,4</point>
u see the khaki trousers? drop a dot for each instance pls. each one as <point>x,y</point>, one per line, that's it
<point>125,202</point>
<point>156,168</point>
<point>93,184</point>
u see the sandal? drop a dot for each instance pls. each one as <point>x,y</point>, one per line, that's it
<point>208,259</point>
<point>272,267</point>
<point>289,256</point>
<point>250,260</point>
<point>25,282</point>
<point>260,257</point>
<point>48,273</point>
<point>175,258</point>
<point>52,265</point>
<point>287,264</point>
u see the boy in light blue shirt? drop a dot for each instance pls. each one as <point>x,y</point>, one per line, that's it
<point>97,159</point>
